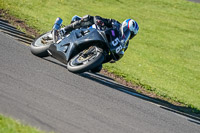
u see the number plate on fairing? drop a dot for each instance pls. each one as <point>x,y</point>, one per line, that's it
<point>115,44</point>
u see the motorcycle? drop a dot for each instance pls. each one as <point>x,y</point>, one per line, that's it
<point>82,50</point>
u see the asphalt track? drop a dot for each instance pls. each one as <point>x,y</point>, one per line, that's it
<point>42,93</point>
<point>197,1</point>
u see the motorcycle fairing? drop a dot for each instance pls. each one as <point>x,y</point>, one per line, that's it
<point>74,43</point>
<point>114,43</point>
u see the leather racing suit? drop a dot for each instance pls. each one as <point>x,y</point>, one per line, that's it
<point>87,21</point>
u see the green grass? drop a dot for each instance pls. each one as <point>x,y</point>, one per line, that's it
<point>165,55</point>
<point>8,125</point>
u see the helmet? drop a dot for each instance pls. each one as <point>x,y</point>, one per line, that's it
<point>129,28</point>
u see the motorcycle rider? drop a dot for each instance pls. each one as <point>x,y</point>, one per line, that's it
<point>103,23</point>
<point>127,29</point>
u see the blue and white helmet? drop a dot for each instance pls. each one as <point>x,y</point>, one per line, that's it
<point>129,25</point>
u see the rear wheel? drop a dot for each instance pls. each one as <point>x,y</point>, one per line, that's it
<point>87,59</point>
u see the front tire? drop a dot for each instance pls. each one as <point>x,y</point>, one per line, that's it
<point>86,60</point>
<point>39,48</point>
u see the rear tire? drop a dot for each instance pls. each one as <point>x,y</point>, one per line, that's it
<point>79,63</point>
<point>38,48</point>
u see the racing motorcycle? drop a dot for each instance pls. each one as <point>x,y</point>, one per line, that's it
<point>82,50</point>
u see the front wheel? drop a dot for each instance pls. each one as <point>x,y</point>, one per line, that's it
<point>86,60</point>
<point>39,46</point>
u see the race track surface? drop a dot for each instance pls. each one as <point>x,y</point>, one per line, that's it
<point>197,1</point>
<point>42,93</point>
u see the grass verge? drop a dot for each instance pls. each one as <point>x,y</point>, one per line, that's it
<point>8,125</point>
<point>163,57</point>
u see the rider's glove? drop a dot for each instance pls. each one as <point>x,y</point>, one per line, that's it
<point>62,31</point>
